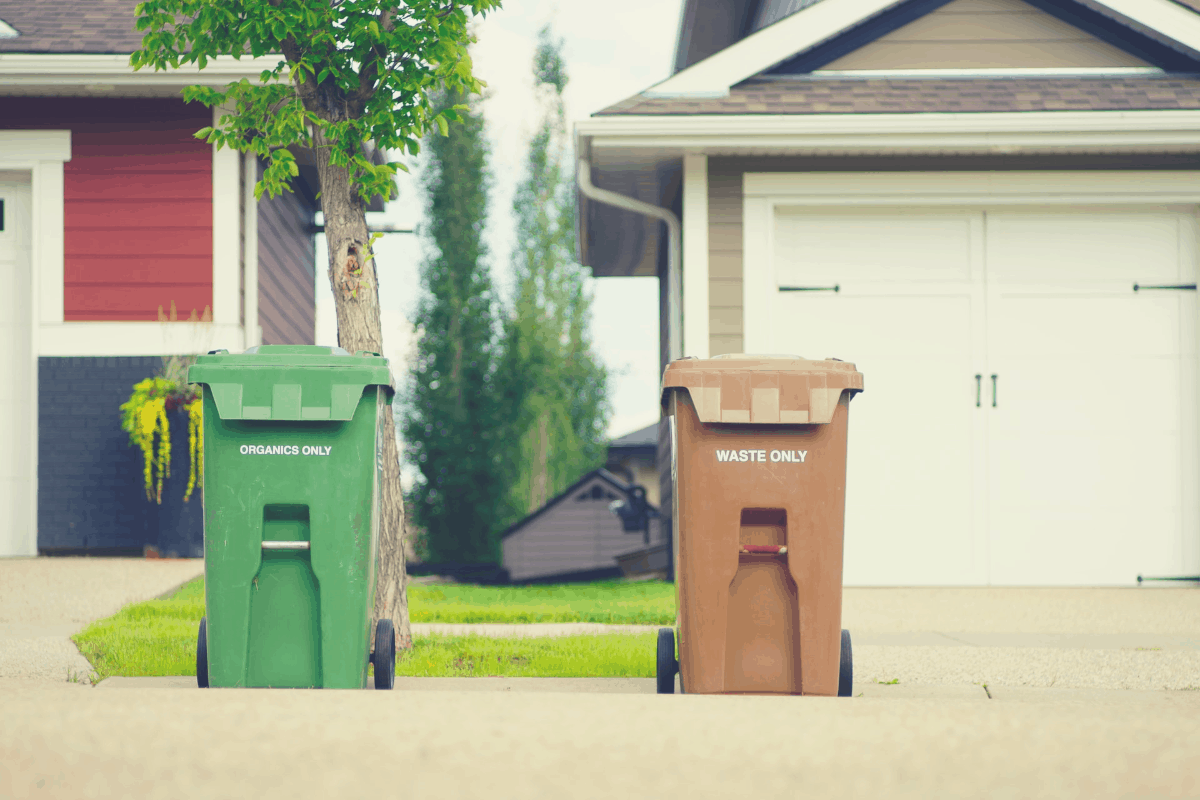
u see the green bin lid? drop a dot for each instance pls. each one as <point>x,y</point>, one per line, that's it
<point>290,382</point>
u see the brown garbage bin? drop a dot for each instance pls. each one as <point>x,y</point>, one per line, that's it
<point>759,473</point>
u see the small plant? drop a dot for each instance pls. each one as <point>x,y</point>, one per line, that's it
<point>144,418</point>
<point>74,676</point>
<point>892,682</point>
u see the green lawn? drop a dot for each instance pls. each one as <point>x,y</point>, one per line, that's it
<point>611,602</point>
<point>605,656</point>
<point>158,637</point>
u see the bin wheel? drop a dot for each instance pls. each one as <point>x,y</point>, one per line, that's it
<point>384,657</point>
<point>202,655</point>
<point>667,665</point>
<point>846,669</point>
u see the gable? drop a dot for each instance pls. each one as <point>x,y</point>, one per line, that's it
<point>986,34</point>
<point>1160,33</point>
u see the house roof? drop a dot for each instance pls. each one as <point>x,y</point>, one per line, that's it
<point>80,26</point>
<point>801,95</point>
<point>639,439</point>
<point>603,474</point>
<point>744,68</point>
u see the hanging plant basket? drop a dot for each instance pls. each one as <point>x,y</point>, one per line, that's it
<point>164,419</point>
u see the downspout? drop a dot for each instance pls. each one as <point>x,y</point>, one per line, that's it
<point>674,248</point>
<point>674,294</point>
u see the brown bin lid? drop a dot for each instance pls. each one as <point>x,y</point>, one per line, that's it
<point>762,389</point>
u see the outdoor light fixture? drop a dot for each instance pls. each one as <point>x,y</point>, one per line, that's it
<point>635,513</point>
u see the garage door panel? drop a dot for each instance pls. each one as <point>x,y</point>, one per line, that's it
<point>843,325</point>
<point>1087,468</point>
<point>910,432</point>
<point>909,481</point>
<point>1117,326</point>
<point>881,245</point>
<point>1083,246</point>
<point>1088,396</point>
<point>1035,554</point>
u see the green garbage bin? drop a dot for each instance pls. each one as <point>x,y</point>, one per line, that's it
<point>292,470</point>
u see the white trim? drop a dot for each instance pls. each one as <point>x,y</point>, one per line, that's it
<point>42,154</point>
<point>93,339</point>
<point>1163,16</point>
<point>986,72</point>
<point>695,255</point>
<point>22,149</point>
<point>26,69</point>
<point>818,23</point>
<point>49,243</point>
<point>972,188</point>
<point>765,48</point>
<point>226,222</point>
<point>250,251</point>
<point>669,137</point>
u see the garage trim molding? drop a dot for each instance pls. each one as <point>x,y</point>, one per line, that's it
<point>1005,133</point>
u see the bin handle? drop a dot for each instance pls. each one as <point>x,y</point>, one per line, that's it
<point>765,549</point>
<point>276,545</point>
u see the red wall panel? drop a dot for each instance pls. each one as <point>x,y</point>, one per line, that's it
<point>138,203</point>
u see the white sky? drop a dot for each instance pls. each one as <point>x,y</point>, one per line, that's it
<point>613,50</point>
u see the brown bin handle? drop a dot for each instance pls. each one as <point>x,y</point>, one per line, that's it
<point>764,549</point>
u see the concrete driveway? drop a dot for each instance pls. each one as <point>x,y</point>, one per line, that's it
<point>999,693</point>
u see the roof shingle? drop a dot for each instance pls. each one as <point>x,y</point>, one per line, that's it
<point>929,95</point>
<point>78,26</point>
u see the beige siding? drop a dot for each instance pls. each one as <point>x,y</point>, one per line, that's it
<point>724,260</point>
<point>973,34</point>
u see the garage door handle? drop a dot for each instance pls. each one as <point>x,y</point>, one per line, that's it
<point>994,376</point>
<point>1178,287</point>
<point>978,390</point>
<point>834,288</point>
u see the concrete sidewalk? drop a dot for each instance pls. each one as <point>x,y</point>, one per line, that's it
<point>999,693</point>
<point>187,743</point>
<point>44,601</point>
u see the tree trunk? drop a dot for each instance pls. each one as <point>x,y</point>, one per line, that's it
<point>352,277</point>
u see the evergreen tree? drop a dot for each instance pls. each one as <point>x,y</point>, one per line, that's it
<point>553,385</point>
<point>450,413</point>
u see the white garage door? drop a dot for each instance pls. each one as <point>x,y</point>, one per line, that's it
<point>17,526</point>
<point>1029,418</point>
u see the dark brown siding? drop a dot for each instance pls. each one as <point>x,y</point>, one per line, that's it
<point>286,257</point>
